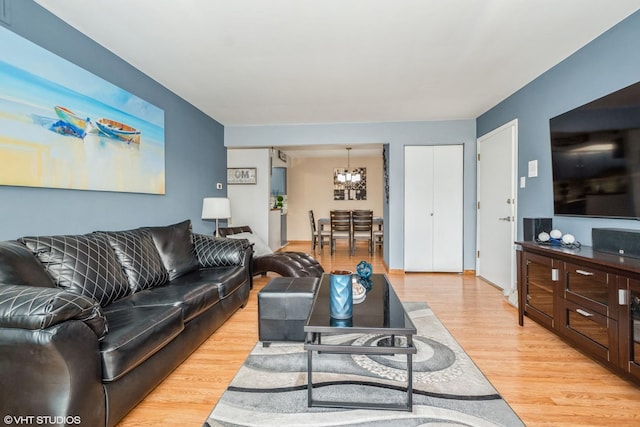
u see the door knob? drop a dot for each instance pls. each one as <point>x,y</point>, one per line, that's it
<point>506,218</point>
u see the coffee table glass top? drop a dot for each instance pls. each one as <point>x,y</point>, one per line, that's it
<point>381,311</point>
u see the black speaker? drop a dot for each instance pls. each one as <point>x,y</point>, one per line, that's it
<point>535,226</point>
<point>617,241</point>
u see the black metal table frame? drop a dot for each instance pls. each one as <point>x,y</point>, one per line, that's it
<point>313,342</point>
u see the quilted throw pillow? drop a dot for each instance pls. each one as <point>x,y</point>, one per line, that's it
<point>30,307</point>
<point>84,264</point>
<point>219,251</point>
<point>138,255</point>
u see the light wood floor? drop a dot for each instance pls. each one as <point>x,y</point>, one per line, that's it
<point>545,381</point>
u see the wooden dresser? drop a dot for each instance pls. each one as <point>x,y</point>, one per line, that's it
<point>589,298</point>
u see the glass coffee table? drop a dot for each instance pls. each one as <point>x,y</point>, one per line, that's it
<point>380,313</point>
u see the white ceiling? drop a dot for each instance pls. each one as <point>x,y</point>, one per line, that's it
<point>311,61</point>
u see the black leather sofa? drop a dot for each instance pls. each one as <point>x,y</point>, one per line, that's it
<point>285,263</point>
<point>90,324</point>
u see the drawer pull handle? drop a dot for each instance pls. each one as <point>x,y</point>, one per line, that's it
<point>584,272</point>
<point>584,313</point>
<point>622,297</point>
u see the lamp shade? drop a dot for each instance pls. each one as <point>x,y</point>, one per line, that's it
<point>216,208</point>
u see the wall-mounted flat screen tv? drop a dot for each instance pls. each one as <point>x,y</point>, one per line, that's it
<point>595,155</point>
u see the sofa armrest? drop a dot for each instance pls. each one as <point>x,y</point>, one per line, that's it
<point>31,307</point>
<point>55,371</point>
<point>220,252</point>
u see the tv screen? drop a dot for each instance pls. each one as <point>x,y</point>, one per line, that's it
<point>595,156</point>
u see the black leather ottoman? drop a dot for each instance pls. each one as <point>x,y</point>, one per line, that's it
<point>283,307</point>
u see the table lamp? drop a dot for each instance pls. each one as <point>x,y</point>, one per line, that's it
<point>216,208</point>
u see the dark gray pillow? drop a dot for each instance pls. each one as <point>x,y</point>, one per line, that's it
<point>139,257</point>
<point>20,267</point>
<point>84,264</point>
<point>175,245</point>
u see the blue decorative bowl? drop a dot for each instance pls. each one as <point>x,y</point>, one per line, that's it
<point>364,269</point>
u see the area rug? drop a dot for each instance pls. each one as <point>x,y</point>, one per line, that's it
<point>270,389</point>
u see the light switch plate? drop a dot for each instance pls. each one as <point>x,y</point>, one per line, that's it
<point>533,168</point>
<point>523,182</point>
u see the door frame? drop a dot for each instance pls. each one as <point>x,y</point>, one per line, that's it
<point>510,291</point>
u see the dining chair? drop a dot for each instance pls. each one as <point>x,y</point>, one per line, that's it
<point>318,235</point>
<point>340,228</point>
<point>362,229</point>
<point>378,234</point>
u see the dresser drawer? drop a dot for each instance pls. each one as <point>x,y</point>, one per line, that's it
<point>591,331</point>
<point>590,288</point>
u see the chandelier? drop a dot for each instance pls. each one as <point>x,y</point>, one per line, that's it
<point>349,177</point>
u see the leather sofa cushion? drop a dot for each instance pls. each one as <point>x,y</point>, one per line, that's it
<point>192,298</point>
<point>84,264</point>
<point>218,251</point>
<point>175,245</point>
<point>18,266</point>
<point>139,257</point>
<point>32,307</point>
<point>225,279</point>
<point>135,334</point>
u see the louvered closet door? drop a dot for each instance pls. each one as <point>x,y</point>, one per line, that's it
<point>433,232</point>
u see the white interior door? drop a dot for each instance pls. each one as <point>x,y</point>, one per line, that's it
<point>418,208</point>
<point>448,209</point>
<point>497,178</point>
<point>433,224</point>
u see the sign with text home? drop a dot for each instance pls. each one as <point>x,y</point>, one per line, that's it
<point>241,176</point>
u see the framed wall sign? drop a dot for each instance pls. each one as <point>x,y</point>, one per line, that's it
<point>241,176</point>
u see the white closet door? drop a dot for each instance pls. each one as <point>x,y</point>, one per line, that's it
<point>418,208</point>
<point>447,216</point>
<point>433,208</point>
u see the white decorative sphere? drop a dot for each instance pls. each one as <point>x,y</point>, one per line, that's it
<point>555,234</point>
<point>568,239</point>
<point>543,237</point>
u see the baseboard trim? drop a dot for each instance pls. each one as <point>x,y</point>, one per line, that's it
<point>464,272</point>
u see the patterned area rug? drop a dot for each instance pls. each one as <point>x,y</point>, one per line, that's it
<point>270,389</point>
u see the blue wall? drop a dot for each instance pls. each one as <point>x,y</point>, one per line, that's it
<point>397,135</point>
<point>195,156</point>
<point>609,63</point>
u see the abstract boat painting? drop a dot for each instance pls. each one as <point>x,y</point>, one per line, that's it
<point>64,127</point>
<point>118,130</point>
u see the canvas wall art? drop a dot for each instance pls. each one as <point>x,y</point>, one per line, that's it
<point>64,127</point>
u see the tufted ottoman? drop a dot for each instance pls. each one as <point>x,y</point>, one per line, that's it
<point>290,264</point>
<point>283,308</point>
